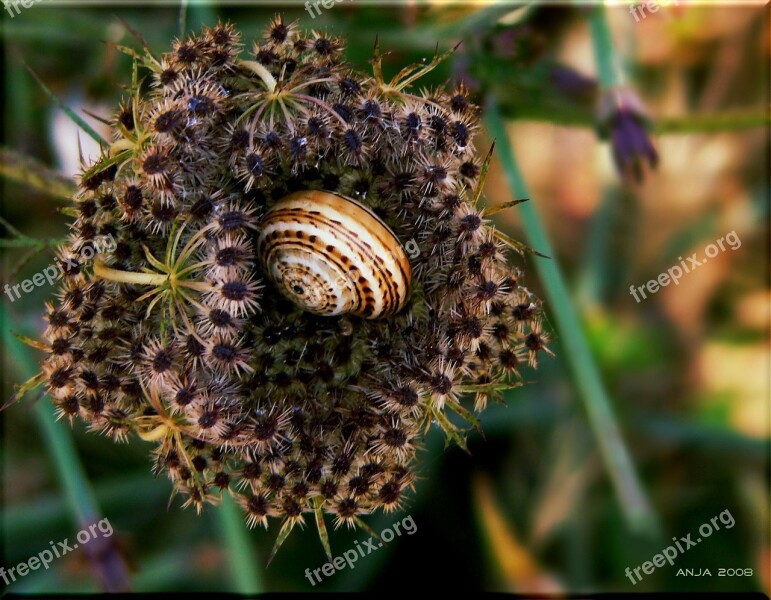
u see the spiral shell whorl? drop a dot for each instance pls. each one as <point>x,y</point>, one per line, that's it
<point>331,255</point>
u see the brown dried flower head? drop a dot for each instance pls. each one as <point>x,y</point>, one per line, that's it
<point>178,334</point>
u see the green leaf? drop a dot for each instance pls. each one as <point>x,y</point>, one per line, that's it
<point>286,529</point>
<point>242,559</point>
<point>318,503</point>
<point>515,245</point>
<point>68,111</point>
<point>465,413</point>
<point>361,523</point>
<point>105,164</point>
<point>453,433</point>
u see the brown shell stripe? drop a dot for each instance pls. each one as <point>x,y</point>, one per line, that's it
<point>349,238</point>
<point>337,239</point>
<point>280,238</point>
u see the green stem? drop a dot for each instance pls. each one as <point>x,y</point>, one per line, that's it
<point>182,18</point>
<point>68,111</point>
<point>575,346</point>
<point>711,123</point>
<point>706,123</point>
<point>104,272</point>
<point>608,68</point>
<point>243,560</point>
<point>28,242</point>
<point>48,512</point>
<point>31,172</point>
<point>262,73</point>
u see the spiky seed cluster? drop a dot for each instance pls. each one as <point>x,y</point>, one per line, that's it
<point>174,332</point>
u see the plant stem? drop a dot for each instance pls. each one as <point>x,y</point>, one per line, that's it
<point>29,171</point>
<point>711,123</point>
<point>243,560</point>
<point>28,242</point>
<point>608,69</point>
<point>104,272</point>
<point>262,73</point>
<point>182,25</point>
<point>575,346</point>
<point>49,511</point>
<point>705,123</point>
<point>68,111</point>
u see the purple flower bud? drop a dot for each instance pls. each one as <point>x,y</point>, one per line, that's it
<point>573,84</point>
<point>622,118</point>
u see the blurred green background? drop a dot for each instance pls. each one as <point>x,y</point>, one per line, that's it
<point>533,507</point>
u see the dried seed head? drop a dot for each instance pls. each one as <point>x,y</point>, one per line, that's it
<point>175,331</point>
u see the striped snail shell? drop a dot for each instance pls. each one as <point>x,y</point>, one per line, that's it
<point>331,255</point>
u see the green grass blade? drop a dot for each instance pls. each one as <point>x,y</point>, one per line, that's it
<point>49,512</point>
<point>182,18</point>
<point>584,370</point>
<point>68,111</point>
<point>608,67</point>
<point>242,558</point>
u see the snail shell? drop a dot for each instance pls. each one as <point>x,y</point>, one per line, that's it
<point>331,255</point>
